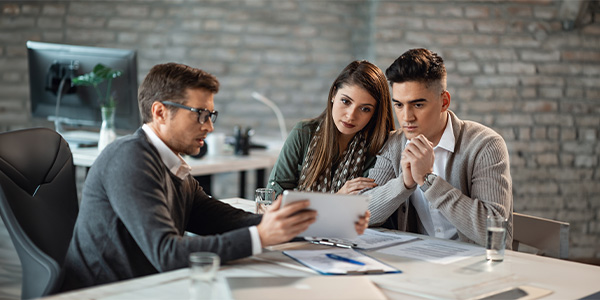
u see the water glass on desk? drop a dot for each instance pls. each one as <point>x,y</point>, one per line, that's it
<point>203,274</point>
<point>495,238</point>
<point>263,197</point>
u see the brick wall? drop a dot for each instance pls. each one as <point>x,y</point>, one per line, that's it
<point>511,66</point>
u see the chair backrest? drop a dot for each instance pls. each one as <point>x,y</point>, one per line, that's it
<point>547,237</point>
<point>38,203</point>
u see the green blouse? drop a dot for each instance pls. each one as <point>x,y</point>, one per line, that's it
<point>286,172</point>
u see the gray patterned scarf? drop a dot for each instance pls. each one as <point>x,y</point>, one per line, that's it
<point>350,166</point>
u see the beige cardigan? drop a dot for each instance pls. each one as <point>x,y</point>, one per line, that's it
<point>478,183</point>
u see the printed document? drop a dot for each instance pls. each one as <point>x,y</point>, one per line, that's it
<point>435,251</point>
<point>371,239</point>
<point>355,262</point>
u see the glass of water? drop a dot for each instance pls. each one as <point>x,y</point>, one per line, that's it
<point>495,238</point>
<point>203,274</point>
<point>263,197</point>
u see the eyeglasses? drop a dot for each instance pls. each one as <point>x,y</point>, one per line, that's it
<point>203,113</point>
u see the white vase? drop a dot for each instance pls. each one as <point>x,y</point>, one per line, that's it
<point>107,130</point>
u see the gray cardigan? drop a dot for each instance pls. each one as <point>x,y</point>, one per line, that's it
<point>478,183</point>
<point>133,216</point>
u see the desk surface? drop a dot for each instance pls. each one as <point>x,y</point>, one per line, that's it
<point>420,279</point>
<point>207,165</point>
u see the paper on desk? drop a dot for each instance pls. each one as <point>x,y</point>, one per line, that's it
<point>435,250</point>
<point>371,239</point>
<point>318,261</point>
<point>301,288</point>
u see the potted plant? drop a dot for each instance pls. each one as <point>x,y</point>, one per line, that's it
<point>95,78</point>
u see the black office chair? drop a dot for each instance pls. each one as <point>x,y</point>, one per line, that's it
<point>38,203</point>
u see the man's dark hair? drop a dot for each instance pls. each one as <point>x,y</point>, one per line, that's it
<point>170,82</point>
<point>420,65</point>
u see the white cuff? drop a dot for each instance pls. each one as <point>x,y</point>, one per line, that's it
<point>256,245</point>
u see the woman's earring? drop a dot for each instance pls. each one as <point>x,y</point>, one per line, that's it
<point>331,100</point>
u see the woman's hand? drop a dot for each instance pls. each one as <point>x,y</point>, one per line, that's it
<point>356,185</point>
<point>362,223</point>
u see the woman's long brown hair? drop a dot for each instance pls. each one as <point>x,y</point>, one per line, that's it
<point>369,77</point>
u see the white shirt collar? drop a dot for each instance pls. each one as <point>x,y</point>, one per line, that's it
<point>447,141</point>
<point>174,162</point>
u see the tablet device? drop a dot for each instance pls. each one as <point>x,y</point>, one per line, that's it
<point>336,213</point>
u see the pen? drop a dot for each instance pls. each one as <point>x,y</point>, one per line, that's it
<point>332,242</point>
<point>345,259</point>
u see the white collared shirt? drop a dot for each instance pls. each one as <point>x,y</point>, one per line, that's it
<point>433,223</point>
<point>177,165</point>
<point>174,162</point>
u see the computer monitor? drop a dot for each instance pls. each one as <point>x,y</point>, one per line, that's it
<point>78,106</point>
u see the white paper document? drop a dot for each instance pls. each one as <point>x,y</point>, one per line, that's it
<point>351,262</point>
<point>371,239</point>
<point>435,251</point>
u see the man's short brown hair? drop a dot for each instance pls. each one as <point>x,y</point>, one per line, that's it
<point>170,82</point>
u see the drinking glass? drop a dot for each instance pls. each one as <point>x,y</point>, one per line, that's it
<point>263,197</point>
<point>203,273</point>
<point>495,238</point>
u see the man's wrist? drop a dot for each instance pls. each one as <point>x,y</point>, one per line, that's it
<point>256,240</point>
<point>428,180</point>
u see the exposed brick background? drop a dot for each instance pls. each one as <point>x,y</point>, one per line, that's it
<point>511,67</point>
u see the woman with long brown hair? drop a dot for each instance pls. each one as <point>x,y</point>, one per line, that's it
<point>333,152</point>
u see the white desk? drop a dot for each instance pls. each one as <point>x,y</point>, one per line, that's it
<point>419,280</point>
<point>259,160</point>
<point>207,165</point>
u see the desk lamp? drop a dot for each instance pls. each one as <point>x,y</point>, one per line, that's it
<point>276,110</point>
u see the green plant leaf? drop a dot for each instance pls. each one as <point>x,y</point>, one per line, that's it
<point>105,72</point>
<point>98,75</point>
<point>87,79</point>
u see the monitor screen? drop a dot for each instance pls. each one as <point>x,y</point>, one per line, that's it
<point>78,106</point>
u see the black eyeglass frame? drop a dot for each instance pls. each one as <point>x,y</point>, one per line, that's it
<point>203,113</point>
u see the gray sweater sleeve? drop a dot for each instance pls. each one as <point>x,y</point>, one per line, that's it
<point>156,208</point>
<point>133,216</point>
<point>478,182</point>
<point>390,192</point>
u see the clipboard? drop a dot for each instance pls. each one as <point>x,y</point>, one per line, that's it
<point>319,261</point>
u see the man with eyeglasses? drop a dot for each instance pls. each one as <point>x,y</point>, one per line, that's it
<point>438,175</point>
<point>139,197</point>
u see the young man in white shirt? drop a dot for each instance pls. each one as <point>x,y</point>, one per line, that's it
<point>437,175</point>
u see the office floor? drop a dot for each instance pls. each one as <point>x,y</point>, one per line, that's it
<point>10,268</point>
